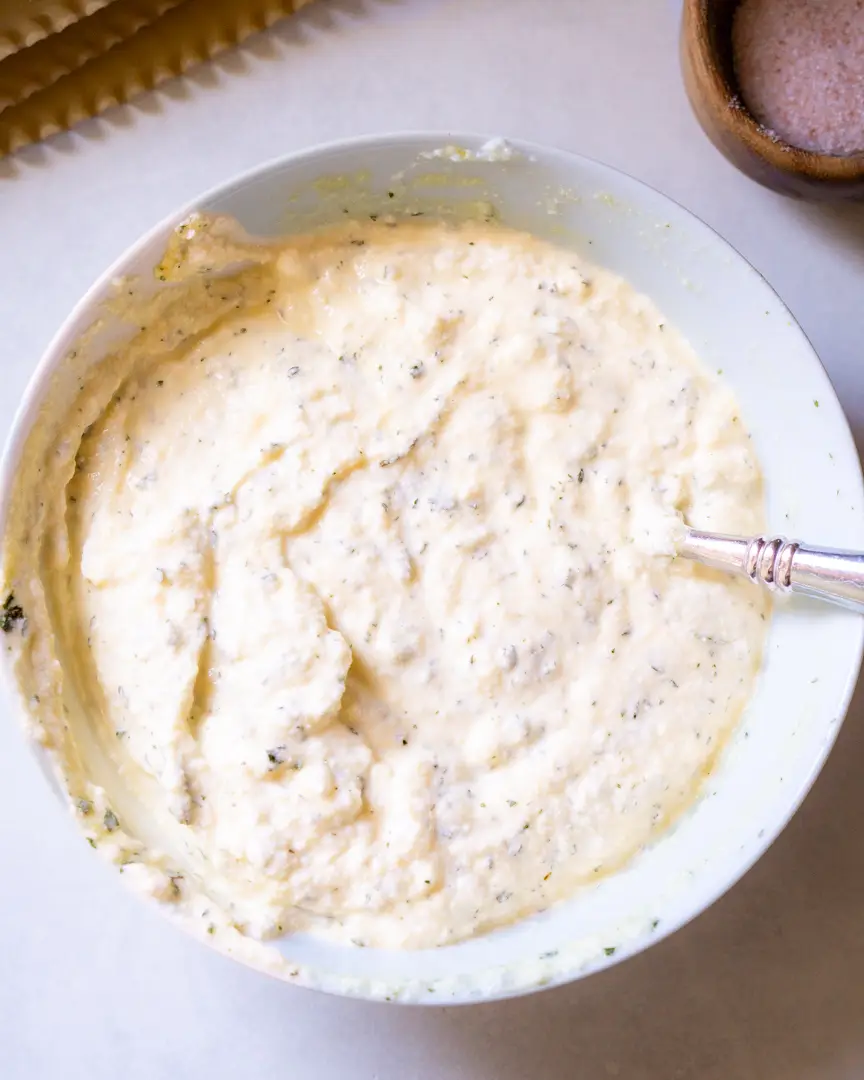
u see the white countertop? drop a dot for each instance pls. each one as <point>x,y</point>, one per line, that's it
<point>769,983</point>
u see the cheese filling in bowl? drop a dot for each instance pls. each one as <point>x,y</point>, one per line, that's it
<point>343,594</point>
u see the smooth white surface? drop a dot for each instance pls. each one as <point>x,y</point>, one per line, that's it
<point>767,984</point>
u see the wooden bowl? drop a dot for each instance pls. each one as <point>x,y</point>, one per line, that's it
<point>709,78</point>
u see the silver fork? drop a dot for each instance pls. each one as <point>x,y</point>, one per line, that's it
<point>784,566</point>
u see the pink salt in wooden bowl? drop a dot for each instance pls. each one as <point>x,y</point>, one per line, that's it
<point>712,87</point>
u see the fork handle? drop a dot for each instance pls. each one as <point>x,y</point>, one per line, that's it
<point>782,565</point>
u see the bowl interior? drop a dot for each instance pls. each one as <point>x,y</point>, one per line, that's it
<point>814,489</point>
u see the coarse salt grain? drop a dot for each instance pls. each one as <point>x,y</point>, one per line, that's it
<point>800,70</point>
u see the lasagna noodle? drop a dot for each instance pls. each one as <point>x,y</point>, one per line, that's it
<point>127,47</point>
<point>24,22</point>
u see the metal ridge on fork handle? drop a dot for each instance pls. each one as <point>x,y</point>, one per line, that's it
<point>783,566</point>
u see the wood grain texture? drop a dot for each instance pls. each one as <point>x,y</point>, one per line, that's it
<point>709,79</point>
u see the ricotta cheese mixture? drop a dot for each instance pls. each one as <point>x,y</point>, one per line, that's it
<point>344,592</point>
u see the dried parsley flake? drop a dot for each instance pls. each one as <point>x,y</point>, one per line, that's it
<point>11,615</point>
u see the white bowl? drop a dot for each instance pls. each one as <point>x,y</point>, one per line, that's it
<point>814,491</point>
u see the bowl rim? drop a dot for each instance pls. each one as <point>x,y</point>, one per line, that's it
<point>26,414</point>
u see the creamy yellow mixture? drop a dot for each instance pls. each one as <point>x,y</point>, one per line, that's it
<point>347,590</point>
